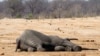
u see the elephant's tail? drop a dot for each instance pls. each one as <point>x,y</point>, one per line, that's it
<point>17,44</point>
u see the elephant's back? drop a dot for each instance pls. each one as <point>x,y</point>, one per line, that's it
<point>30,38</point>
<point>55,40</point>
<point>44,38</point>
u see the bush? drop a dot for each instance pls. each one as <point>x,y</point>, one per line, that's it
<point>18,16</point>
<point>30,16</point>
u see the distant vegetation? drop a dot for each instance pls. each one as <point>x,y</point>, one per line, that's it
<point>49,9</point>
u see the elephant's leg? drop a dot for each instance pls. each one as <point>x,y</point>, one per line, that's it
<point>68,48</point>
<point>77,48</point>
<point>59,48</point>
<point>30,49</point>
<point>24,46</point>
<point>71,45</point>
<point>40,48</point>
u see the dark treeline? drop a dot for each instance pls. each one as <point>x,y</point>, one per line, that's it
<point>49,9</point>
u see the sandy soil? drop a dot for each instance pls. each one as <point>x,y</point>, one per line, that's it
<point>87,30</point>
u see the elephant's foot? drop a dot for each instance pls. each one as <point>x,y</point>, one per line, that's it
<point>77,48</point>
<point>59,48</point>
<point>30,49</point>
<point>68,48</point>
<point>40,48</point>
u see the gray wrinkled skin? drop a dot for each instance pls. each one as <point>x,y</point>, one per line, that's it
<point>32,39</point>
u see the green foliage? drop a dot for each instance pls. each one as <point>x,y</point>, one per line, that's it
<point>30,16</point>
<point>18,16</point>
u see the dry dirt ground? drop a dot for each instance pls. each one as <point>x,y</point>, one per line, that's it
<point>87,30</point>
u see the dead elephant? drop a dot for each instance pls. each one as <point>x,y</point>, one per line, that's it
<point>32,40</point>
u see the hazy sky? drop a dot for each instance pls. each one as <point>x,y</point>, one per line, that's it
<point>50,0</point>
<point>1,0</point>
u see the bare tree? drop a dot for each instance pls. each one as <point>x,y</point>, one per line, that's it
<point>15,7</point>
<point>36,6</point>
<point>53,9</point>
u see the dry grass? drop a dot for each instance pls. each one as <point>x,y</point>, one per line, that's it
<point>87,30</point>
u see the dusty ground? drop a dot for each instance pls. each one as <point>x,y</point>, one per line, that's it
<point>87,30</point>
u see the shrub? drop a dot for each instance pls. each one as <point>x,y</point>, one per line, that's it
<point>18,16</point>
